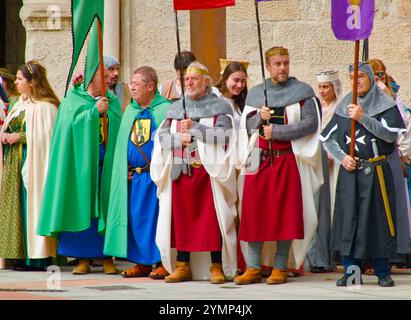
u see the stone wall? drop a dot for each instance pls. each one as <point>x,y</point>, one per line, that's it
<point>14,36</point>
<point>147,35</point>
<point>49,41</point>
<point>304,27</point>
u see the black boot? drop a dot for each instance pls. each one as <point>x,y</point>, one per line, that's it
<point>386,281</point>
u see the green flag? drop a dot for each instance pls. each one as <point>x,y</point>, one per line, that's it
<point>84,18</point>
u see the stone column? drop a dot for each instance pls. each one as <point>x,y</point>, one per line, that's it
<point>112,28</point>
<point>48,32</point>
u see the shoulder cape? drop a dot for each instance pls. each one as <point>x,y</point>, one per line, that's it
<point>279,95</point>
<point>205,107</point>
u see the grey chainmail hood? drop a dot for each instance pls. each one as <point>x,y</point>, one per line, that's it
<point>373,102</point>
<point>205,107</point>
<point>279,95</point>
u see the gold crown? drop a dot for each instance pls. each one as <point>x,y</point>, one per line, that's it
<point>196,70</point>
<point>225,62</point>
<point>276,51</point>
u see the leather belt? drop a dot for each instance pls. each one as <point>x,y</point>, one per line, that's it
<point>140,170</point>
<point>276,153</point>
<point>372,162</point>
<point>196,164</point>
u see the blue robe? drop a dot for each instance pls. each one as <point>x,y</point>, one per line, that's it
<point>142,195</point>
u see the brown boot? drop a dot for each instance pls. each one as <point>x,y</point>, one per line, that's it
<point>181,273</point>
<point>249,276</point>
<point>277,277</point>
<point>83,267</point>
<point>109,267</point>
<point>217,273</point>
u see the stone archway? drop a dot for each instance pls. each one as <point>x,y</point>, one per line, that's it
<point>12,35</point>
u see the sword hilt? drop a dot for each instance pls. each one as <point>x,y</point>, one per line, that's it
<point>374,147</point>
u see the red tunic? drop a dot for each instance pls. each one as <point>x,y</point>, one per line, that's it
<point>194,224</point>
<point>272,207</point>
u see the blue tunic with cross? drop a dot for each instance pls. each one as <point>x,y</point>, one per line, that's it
<point>143,202</point>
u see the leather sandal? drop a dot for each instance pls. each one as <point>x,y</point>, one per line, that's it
<point>137,271</point>
<point>159,273</point>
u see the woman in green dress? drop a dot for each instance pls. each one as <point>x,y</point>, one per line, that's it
<point>25,141</point>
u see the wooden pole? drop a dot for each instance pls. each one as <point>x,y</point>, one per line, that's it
<point>354,96</point>
<point>208,38</point>
<point>103,80</point>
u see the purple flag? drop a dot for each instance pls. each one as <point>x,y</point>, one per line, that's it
<point>352,19</point>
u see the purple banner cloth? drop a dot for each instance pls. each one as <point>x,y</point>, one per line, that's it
<point>352,19</point>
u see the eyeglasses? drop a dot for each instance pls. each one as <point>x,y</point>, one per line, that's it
<point>380,74</point>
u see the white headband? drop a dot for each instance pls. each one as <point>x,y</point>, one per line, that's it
<point>327,76</point>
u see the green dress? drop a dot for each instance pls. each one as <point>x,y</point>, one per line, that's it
<point>11,220</point>
<point>13,195</point>
<point>13,101</point>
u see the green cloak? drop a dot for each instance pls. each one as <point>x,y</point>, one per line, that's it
<point>70,198</point>
<point>115,243</point>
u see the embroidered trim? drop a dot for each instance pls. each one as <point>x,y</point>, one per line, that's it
<point>322,139</point>
<point>396,130</point>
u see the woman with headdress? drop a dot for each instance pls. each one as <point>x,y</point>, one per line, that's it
<point>330,91</point>
<point>25,139</point>
<point>364,223</point>
<point>232,86</point>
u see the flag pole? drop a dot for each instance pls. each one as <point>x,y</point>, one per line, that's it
<point>183,98</point>
<point>180,65</point>
<point>366,49</point>
<point>354,95</point>
<point>103,80</point>
<point>263,73</point>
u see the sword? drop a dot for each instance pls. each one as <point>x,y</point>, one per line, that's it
<point>383,188</point>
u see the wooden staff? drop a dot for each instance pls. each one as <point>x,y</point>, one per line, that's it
<point>354,96</point>
<point>103,80</point>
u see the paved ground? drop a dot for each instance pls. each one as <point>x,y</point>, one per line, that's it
<point>98,286</point>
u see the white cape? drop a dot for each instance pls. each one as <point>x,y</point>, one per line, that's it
<point>40,117</point>
<point>307,151</point>
<point>223,184</point>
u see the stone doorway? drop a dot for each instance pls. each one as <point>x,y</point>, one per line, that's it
<point>12,35</point>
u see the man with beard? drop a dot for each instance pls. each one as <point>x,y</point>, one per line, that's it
<point>121,90</point>
<point>277,202</point>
